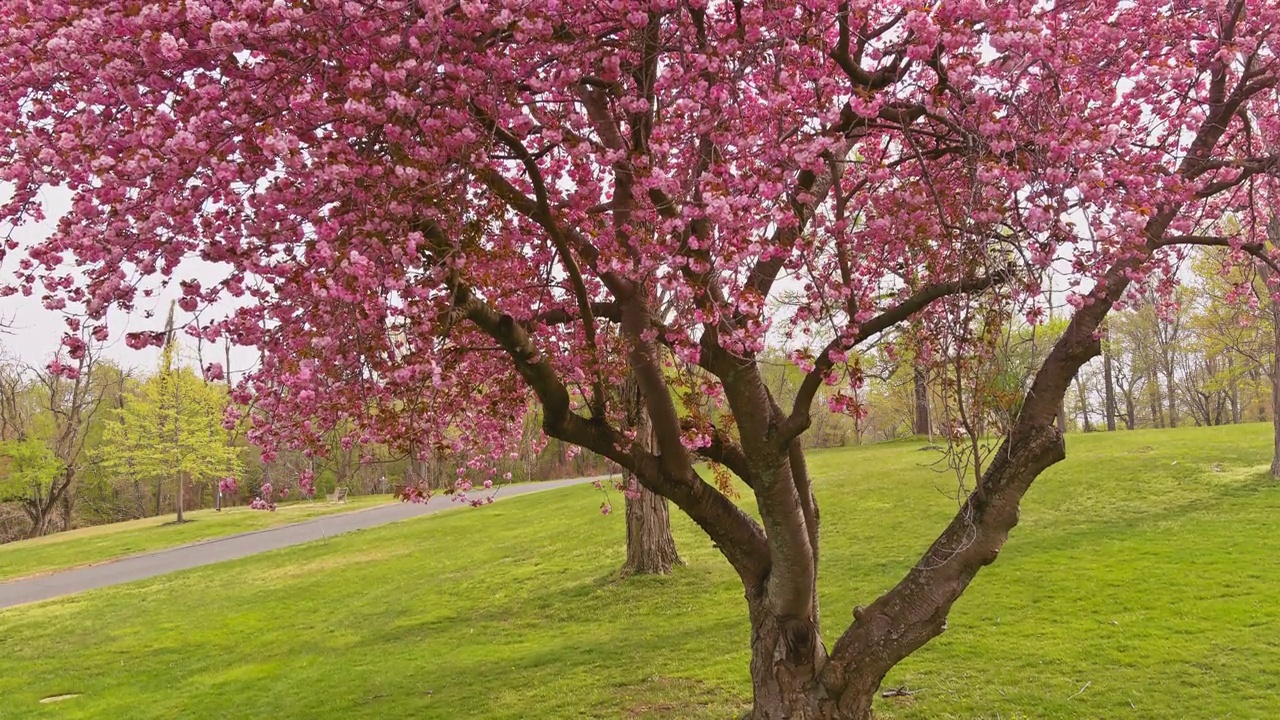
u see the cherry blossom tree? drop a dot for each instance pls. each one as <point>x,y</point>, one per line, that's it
<point>429,213</point>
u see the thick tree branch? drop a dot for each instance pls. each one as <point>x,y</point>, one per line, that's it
<point>606,310</point>
<point>1258,250</point>
<point>737,535</point>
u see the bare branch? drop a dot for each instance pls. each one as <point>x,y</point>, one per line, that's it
<point>798,421</point>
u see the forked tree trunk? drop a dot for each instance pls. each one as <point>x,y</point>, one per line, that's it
<point>41,509</point>
<point>786,659</point>
<point>39,522</point>
<point>651,550</point>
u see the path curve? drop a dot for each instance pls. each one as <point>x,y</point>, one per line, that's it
<point>232,547</point>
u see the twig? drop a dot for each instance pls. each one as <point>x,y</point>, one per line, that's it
<point>1082,689</point>
<point>897,692</point>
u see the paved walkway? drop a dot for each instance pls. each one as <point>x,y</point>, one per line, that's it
<point>231,547</point>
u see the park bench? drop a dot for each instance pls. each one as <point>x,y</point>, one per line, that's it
<point>339,495</point>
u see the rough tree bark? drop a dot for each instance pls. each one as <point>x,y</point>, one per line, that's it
<point>651,550</point>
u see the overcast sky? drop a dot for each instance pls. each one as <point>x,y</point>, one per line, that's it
<point>36,332</point>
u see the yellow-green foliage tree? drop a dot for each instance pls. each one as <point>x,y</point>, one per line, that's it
<point>170,429</point>
<point>28,469</point>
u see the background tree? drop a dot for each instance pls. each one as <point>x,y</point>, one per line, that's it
<point>651,549</point>
<point>30,474</point>
<point>170,430</point>
<point>54,408</point>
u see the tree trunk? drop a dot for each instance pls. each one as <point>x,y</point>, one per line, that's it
<point>1273,232</point>
<point>39,520</point>
<point>1275,390</point>
<point>67,509</point>
<point>650,548</point>
<point>1173,399</point>
<point>1109,388</point>
<point>786,657</point>
<point>180,497</point>
<point>39,528</point>
<point>1084,405</point>
<point>1260,408</point>
<point>1157,402</point>
<point>921,426</point>
<point>1062,416</point>
<point>1234,389</point>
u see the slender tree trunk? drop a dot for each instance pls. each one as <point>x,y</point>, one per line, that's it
<point>1157,402</point>
<point>1084,405</point>
<point>1109,388</point>
<point>1062,416</point>
<point>1275,389</point>
<point>1234,389</point>
<point>1273,232</point>
<point>1260,407</point>
<point>179,498</point>
<point>920,376</point>
<point>651,550</point>
<point>1173,398</point>
<point>66,506</point>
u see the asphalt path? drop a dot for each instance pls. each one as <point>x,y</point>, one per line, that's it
<point>232,547</point>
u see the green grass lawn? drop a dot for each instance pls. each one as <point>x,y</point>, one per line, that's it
<point>91,545</point>
<point>1141,583</point>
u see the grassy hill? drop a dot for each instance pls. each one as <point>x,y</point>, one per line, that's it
<point>1141,583</point>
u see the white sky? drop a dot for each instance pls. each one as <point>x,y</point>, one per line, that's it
<point>36,332</point>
